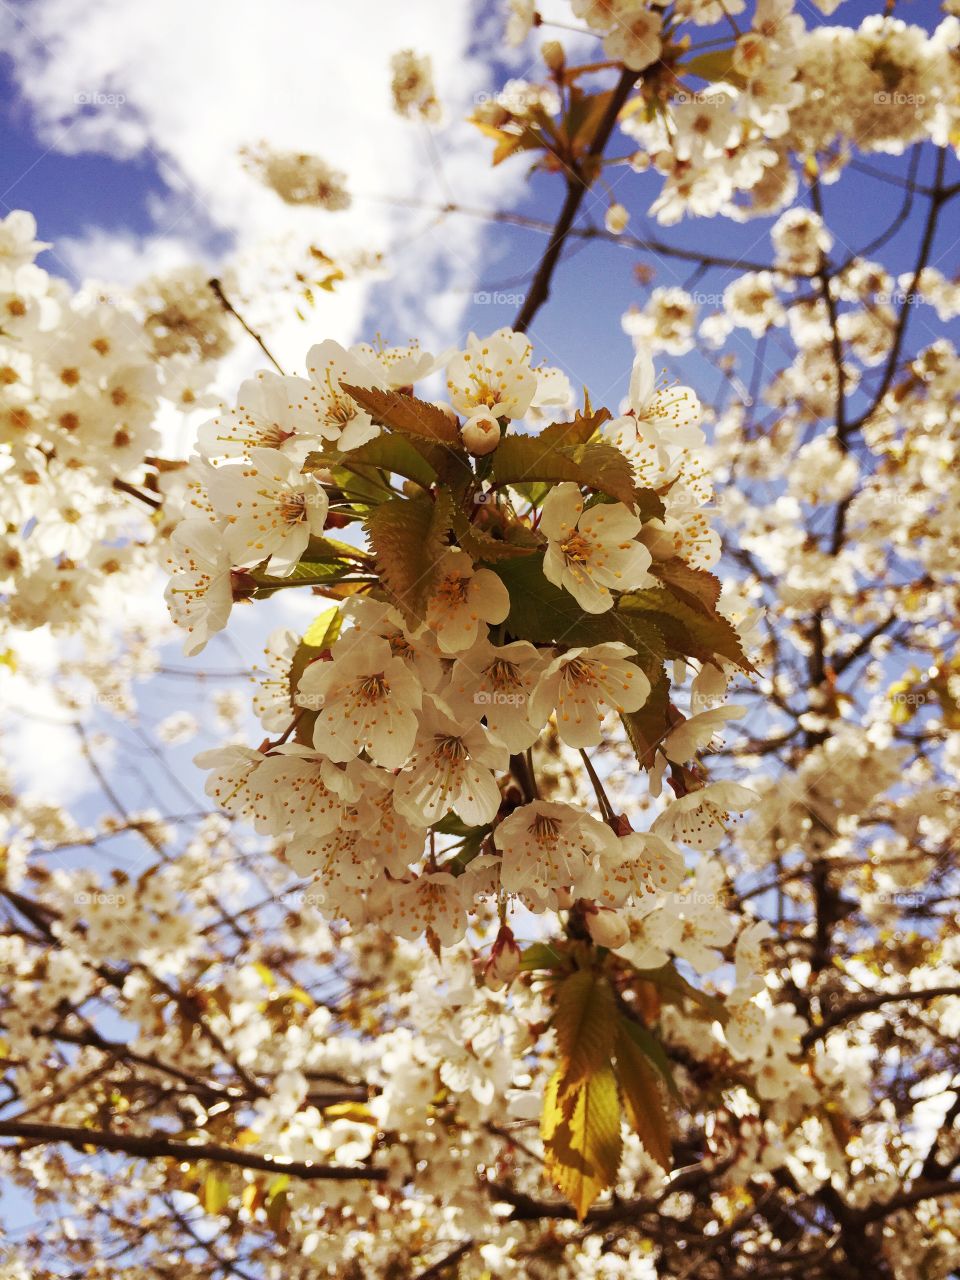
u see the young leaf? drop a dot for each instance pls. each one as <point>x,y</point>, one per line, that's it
<point>586,1024</point>
<point>582,1143</point>
<point>688,632</point>
<point>696,587</point>
<point>324,629</point>
<point>648,727</point>
<point>408,535</point>
<point>481,545</point>
<point>600,466</point>
<point>391,453</point>
<point>406,414</point>
<point>642,1100</point>
<point>648,1043</point>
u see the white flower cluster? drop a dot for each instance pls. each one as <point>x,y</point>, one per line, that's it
<point>396,790</point>
<point>81,384</point>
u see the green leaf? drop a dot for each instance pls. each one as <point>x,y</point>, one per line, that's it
<point>479,544</point>
<point>581,430</point>
<point>648,727</point>
<point>392,453</point>
<point>585,1021</point>
<point>696,587</point>
<point>688,632</point>
<point>307,573</point>
<point>600,466</point>
<point>324,629</point>
<point>408,536</point>
<point>716,65</point>
<point>642,1100</point>
<point>542,955</point>
<point>216,1193</point>
<point>545,614</point>
<point>407,414</point>
<point>580,1127</point>
<point>648,1043</point>
<point>674,988</point>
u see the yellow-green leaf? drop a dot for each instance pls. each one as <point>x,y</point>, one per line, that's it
<point>324,629</point>
<point>643,1100</point>
<point>408,536</point>
<point>586,1024</point>
<point>582,1143</point>
<point>406,414</point>
<point>216,1193</point>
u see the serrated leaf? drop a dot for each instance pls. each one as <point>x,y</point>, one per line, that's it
<point>688,632</point>
<point>581,430</point>
<point>585,1022</point>
<point>406,414</point>
<point>696,587</point>
<point>481,545</point>
<point>545,614</point>
<point>391,453</point>
<point>674,987</point>
<point>643,1101</point>
<point>599,466</point>
<point>307,573</point>
<point>580,1127</point>
<point>648,727</point>
<point>648,1044</point>
<point>408,536</point>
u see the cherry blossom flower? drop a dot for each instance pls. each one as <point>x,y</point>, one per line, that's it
<point>340,418</point>
<point>546,846</point>
<point>700,818</point>
<point>462,600</point>
<point>271,510</point>
<point>365,699</point>
<point>493,375</point>
<point>199,594</point>
<point>500,681</point>
<point>589,553</point>
<point>582,684</point>
<point>453,766</point>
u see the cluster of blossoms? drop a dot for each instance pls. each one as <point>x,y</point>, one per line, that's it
<point>412,87</point>
<point>298,177</point>
<point>508,581</point>
<point>724,128</point>
<point>81,385</point>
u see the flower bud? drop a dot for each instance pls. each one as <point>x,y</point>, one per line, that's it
<point>481,434</point>
<point>553,54</point>
<point>607,929</point>
<point>616,219</point>
<point>504,963</point>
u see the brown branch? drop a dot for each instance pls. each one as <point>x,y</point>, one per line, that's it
<point>217,288</point>
<point>869,1005</point>
<point>156,1146</point>
<point>577,188</point>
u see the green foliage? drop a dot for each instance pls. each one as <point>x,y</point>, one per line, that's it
<point>408,536</point>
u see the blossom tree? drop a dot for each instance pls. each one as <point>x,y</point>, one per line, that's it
<point>465,968</point>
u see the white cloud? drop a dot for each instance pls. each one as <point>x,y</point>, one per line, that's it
<point>187,84</point>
